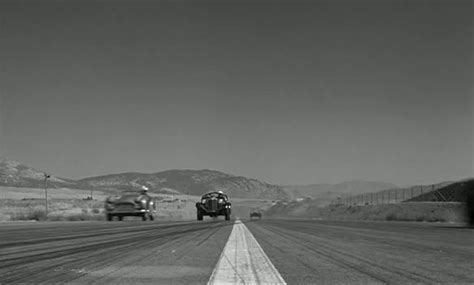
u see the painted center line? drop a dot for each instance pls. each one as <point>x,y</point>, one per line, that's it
<point>243,261</point>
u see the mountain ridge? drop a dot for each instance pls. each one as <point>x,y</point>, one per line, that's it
<point>187,181</point>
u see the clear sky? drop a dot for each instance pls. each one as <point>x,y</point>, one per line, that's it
<point>289,93</point>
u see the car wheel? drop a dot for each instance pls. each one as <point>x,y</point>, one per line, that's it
<point>109,217</point>
<point>120,218</point>
<point>152,218</point>
<point>199,216</point>
<point>227,215</point>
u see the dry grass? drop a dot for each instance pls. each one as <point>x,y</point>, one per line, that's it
<point>411,211</point>
<point>70,205</point>
<point>17,193</point>
<point>58,209</point>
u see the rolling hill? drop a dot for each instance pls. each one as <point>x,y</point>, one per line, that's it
<point>191,182</point>
<point>15,174</point>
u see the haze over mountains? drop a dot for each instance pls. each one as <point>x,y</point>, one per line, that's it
<point>192,182</point>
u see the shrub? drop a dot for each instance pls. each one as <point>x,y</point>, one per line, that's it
<point>391,217</point>
<point>32,214</point>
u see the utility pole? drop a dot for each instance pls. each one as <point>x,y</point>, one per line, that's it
<point>46,177</point>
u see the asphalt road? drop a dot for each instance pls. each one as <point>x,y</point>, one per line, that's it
<point>302,251</point>
<point>129,252</point>
<point>323,252</point>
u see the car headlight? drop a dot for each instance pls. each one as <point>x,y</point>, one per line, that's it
<point>203,201</point>
<point>220,201</point>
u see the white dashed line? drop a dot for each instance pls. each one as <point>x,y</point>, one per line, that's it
<point>243,261</point>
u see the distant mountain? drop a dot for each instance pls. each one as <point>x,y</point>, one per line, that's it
<point>345,188</point>
<point>13,173</point>
<point>192,182</point>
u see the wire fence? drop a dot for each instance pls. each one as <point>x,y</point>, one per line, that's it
<point>389,196</point>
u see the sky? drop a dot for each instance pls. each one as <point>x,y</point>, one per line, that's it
<point>286,92</point>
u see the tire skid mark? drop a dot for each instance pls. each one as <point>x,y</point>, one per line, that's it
<point>332,259</point>
<point>210,235</point>
<point>96,233</point>
<point>407,244</point>
<point>381,237</point>
<point>119,249</point>
<point>82,256</point>
<point>17,276</point>
<point>72,249</point>
<point>92,246</point>
<point>339,257</point>
<point>18,264</point>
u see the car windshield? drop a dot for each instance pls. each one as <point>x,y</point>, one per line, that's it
<point>213,195</point>
<point>129,196</point>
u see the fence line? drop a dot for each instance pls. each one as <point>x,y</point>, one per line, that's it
<point>388,196</point>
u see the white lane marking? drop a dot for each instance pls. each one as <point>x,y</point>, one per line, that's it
<point>243,261</point>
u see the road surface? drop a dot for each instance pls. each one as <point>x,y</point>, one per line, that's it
<point>191,252</point>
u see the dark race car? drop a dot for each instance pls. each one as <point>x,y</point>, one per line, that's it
<point>213,204</point>
<point>256,214</point>
<point>130,204</point>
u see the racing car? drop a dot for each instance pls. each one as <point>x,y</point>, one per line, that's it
<point>213,204</point>
<point>255,213</point>
<point>131,204</point>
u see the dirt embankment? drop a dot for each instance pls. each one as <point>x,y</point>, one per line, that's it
<point>412,211</point>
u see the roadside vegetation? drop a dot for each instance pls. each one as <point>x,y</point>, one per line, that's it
<point>449,202</point>
<point>28,204</point>
<point>58,210</point>
<point>410,211</point>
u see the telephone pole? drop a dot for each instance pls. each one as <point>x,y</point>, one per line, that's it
<point>46,177</point>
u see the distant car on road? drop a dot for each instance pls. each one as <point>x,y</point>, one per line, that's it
<point>130,204</point>
<point>213,204</point>
<point>255,214</point>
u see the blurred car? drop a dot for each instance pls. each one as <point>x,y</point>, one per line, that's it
<point>213,204</point>
<point>255,214</point>
<point>130,204</point>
